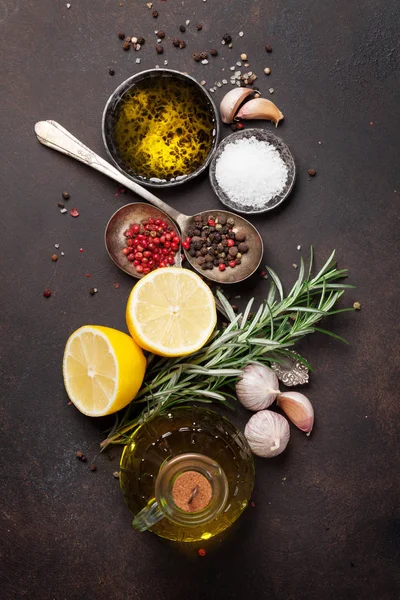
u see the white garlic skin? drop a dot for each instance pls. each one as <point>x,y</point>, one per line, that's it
<point>258,387</point>
<point>298,409</point>
<point>267,433</point>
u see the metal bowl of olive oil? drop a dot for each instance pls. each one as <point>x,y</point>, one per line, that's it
<point>160,128</point>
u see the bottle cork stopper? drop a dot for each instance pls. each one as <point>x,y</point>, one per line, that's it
<point>191,491</point>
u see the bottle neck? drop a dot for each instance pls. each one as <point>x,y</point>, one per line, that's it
<point>191,489</point>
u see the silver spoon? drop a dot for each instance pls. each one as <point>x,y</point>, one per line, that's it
<point>54,136</point>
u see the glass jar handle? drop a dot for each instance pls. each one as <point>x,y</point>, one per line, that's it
<point>147,517</point>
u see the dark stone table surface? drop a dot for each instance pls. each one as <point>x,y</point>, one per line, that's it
<point>325,523</point>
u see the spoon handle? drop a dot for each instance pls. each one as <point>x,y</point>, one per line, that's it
<point>52,134</point>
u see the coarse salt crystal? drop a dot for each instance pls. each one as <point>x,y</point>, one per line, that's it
<point>251,172</point>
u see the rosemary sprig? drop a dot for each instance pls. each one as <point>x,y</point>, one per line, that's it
<point>209,374</point>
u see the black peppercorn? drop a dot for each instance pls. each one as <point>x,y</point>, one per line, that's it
<point>154,14</point>
<point>268,48</point>
<point>111,72</point>
<point>214,52</point>
<point>203,55</point>
<point>65,195</point>
<point>176,42</point>
<point>227,38</point>
<point>141,40</point>
<point>243,247</point>
<point>182,28</point>
<point>126,45</point>
<point>92,291</point>
<point>182,44</point>
<point>312,172</point>
<point>93,467</point>
<point>160,34</point>
<point>197,57</point>
<point>159,49</point>
<point>199,26</point>
<point>240,236</point>
<point>121,35</point>
<point>60,205</point>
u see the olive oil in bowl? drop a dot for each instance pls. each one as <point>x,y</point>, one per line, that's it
<point>161,129</point>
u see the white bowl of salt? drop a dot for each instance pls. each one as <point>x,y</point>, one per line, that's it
<point>253,171</point>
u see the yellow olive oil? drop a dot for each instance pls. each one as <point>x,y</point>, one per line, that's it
<point>163,128</point>
<point>199,432</point>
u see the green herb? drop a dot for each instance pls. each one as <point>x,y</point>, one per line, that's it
<point>209,374</point>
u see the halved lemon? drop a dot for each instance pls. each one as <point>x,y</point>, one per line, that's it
<point>103,369</point>
<point>171,312</point>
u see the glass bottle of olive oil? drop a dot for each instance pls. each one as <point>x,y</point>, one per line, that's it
<point>187,475</point>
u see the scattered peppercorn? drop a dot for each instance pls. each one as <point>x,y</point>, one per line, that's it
<point>121,35</point>
<point>199,26</point>
<point>154,14</point>
<point>54,257</point>
<point>116,474</point>
<point>357,305</point>
<point>176,42</point>
<point>203,55</point>
<point>312,172</point>
<point>182,28</point>
<point>227,38</point>
<point>73,212</point>
<point>141,40</point>
<point>182,44</point>
<point>160,34</point>
<point>93,467</point>
<point>214,52</point>
<point>268,48</point>
<point>128,39</point>
<point>92,291</point>
<point>197,57</point>
<point>80,456</point>
<point>159,49</point>
<point>126,45</point>
<point>65,195</point>
<point>202,552</point>
<point>47,293</point>
<point>60,205</point>
<point>111,72</point>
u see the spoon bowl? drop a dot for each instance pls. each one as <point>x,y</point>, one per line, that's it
<point>115,240</point>
<point>249,261</point>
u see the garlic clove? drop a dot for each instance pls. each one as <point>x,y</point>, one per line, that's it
<point>267,433</point>
<point>260,108</point>
<point>231,102</point>
<point>298,408</point>
<point>257,387</point>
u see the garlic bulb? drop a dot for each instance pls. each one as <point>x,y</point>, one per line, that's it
<point>267,433</point>
<point>298,408</point>
<point>258,387</point>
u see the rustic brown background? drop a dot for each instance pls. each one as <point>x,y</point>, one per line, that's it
<point>326,521</point>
